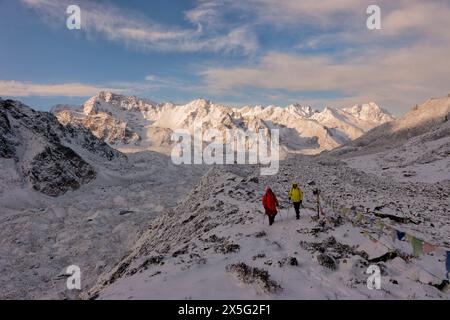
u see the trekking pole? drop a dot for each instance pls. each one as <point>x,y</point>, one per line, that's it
<point>316,192</point>
<point>288,206</point>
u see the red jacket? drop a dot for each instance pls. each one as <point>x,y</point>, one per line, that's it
<point>270,203</point>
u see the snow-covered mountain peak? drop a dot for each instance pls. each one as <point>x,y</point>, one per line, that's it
<point>328,110</point>
<point>304,111</point>
<point>429,119</point>
<point>106,101</point>
<point>114,98</point>
<point>369,112</point>
<point>199,103</point>
<point>128,120</point>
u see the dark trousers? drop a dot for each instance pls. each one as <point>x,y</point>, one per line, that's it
<point>297,209</point>
<point>271,216</point>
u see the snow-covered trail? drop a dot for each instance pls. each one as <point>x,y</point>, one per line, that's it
<point>217,245</point>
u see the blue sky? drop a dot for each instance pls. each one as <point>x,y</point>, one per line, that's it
<point>248,52</point>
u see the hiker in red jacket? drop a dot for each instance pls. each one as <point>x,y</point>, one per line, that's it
<point>270,204</point>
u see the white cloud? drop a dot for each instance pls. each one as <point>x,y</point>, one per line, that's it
<point>400,65</point>
<point>395,77</point>
<point>24,89</point>
<point>11,88</point>
<point>284,12</point>
<point>150,77</point>
<point>135,30</point>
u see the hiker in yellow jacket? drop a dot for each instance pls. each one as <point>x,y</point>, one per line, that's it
<point>296,196</point>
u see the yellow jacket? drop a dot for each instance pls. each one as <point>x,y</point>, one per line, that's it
<point>296,194</point>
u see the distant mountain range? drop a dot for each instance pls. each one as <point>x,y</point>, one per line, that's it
<point>132,124</point>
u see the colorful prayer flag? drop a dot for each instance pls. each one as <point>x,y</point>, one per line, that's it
<point>373,239</point>
<point>417,246</point>
<point>428,247</point>
<point>447,263</point>
<point>359,217</point>
<point>400,235</point>
<point>379,224</point>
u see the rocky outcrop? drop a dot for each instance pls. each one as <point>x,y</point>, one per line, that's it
<point>103,126</point>
<point>6,148</point>
<point>49,155</point>
<point>58,169</point>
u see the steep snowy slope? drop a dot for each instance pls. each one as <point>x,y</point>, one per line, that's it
<point>45,153</point>
<point>133,124</point>
<point>353,122</point>
<point>415,147</point>
<point>217,243</point>
<point>68,198</point>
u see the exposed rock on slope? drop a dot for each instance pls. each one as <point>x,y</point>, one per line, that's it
<point>58,169</point>
<point>6,147</point>
<point>47,154</point>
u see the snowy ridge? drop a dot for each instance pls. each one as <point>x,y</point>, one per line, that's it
<point>420,119</point>
<point>130,123</point>
<point>217,243</point>
<point>415,147</point>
